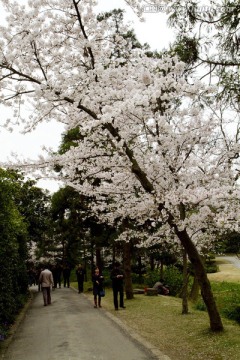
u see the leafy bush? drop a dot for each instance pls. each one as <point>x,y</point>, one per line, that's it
<point>211,268</point>
<point>3,331</point>
<point>210,264</point>
<point>150,278</point>
<point>232,313</point>
<point>107,280</point>
<point>173,277</point>
<point>199,305</point>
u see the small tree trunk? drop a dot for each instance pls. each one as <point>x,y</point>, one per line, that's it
<point>140,277</point>
<point>152,265</point>
<point>127,270</point>
<point>201,275</point>
<point>85,263</point>
<point>99,258</point>
<point>92,257</point>
<point>113,253</point>
<point>161,269</point>
<point>185,284</point>
<point>194,290</point>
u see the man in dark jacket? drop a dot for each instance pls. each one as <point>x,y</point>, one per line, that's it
<point>80,272</point>
<point>117,277</point>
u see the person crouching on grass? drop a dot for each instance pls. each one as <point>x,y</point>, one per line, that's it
<point>97,280</point>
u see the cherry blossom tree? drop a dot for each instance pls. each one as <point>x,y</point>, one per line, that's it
<point>146,137</point>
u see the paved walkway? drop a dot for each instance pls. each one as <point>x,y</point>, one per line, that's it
<point>72,329</point>
<point>231,259</point>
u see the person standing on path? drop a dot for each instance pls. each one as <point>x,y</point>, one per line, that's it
<point>66,275</point>
<point>80,272</point>
<point>117,277</point>
<point>97,280</point>
<point>46,281</point>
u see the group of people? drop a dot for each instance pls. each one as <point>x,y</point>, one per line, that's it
<point>117,277</point>
<point>60,272</point>
<point>47,280</point>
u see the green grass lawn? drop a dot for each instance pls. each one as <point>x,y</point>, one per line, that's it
<point>158,319</point>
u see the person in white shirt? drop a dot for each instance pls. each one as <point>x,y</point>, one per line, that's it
<point>46,281</point>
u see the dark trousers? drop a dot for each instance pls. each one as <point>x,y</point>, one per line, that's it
<point>80,285</point>
<point>46,295</point>
<point>116,291</point>
<point>97,299</point>
<point>57,281</point>
<point>66,280</point>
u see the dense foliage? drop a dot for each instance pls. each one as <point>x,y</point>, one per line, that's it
<point>13,254</point>
<point>20,225</point>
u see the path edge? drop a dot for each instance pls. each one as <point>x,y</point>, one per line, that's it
<point>13,329</point>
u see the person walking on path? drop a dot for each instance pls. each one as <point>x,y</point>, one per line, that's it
<point>80,272</point>
<point>97,280</point>
<point>117,277</point>
<point>57,273</point>
<point>46,281</point>
<point>66,275</point>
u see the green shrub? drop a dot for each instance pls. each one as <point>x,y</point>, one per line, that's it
<point>232,313</point>
<point>151,277</point>
<point>4,327</point>
<point>211,266</point>
<point>173,277</point>
<point>199,305</point>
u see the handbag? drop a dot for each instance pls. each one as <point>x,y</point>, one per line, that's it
<point>102,293</point>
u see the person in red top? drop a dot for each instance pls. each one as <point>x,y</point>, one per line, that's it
<point>46,281</point>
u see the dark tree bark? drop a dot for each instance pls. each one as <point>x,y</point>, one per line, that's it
<point>139,261</point>
<point>161,269</point>
<point>99,258</point>
<point>92,257</point>
<point>185,284</point>
<point>201,275</point>
<point>152,264</point>
<point>194,290</point>
<point>127,270</point>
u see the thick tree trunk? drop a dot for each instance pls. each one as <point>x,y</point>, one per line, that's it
<point>152,264</point>
<point>92,258</point>
<point>85,263</point>
<point>201,275</point>
<point>127,270</point>
<point>194,290</point>
<point>185,284</point>
<point>98,258</point>
<point>113,253</point>
<point>161,269</point>
<point>140,277</point>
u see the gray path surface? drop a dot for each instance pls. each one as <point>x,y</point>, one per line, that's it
<point>232,259</point>
<point>72,329</point>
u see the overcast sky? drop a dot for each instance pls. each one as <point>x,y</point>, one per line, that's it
<point>154,31</point>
